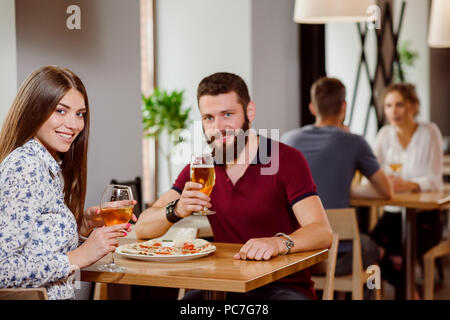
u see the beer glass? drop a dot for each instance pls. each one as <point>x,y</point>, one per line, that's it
<point>116,208</point>
<point>395,158</point>
<point>202,171</point>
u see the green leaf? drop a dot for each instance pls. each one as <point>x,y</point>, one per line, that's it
<point>162,112</point>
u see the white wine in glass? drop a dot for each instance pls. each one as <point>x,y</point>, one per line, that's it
<point>396,158</point>
<point>116,208</point>
<point>396,167</point>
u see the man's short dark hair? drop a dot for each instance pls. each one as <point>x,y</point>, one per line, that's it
<point>224,82</point>
<point>328,94</point>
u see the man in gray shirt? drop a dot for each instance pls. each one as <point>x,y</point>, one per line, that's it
<point>334,155</point>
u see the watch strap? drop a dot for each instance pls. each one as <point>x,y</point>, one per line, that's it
<point>289,242</point>
<point>170,212</point>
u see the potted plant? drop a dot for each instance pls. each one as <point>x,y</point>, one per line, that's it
<point>162,114</point>
<point>407,57</point>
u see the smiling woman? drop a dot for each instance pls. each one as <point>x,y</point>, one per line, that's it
<point>34,110</point>
<point>43,146</point>
<point>64,124</point>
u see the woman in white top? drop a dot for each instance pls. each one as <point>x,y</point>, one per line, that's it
<point>421,170</point>
<point>43,155</point>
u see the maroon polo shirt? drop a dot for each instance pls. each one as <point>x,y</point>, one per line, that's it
<point>260,203</point>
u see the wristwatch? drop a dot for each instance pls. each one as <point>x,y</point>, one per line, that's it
<point>289,242</point>
<point>170,212</point>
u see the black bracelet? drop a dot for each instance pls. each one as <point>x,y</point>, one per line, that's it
<point>170,212</point>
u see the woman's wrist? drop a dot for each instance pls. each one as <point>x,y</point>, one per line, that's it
<point>85,229</point>
<point>78,258</point>
<point>81,238</point>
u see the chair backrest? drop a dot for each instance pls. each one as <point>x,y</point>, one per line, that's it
<point>344,223</point>
<point>136,187</point>
<point>328,289</point>
<point>23,294</point>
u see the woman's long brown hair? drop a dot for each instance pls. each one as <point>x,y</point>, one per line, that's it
<point>35,102</point>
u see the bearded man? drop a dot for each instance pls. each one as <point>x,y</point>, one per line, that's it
<point>270,212</point>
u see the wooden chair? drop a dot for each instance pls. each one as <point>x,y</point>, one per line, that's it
<point>23,294</point>
<point>330,267</point>
<point>429,258</point>
<point>344,223</point>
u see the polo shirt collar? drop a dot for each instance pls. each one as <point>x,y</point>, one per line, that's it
<point>44,155</point>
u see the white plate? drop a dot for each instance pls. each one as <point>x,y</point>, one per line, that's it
<point>165,258</point>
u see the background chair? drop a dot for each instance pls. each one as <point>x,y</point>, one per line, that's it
<point>429,258</point>
<point>24,294</point>
<point>344,223</point>
<point>327,284</point>
<point>136,187</point>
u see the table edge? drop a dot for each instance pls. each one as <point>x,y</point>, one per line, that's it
<point>230,285</point>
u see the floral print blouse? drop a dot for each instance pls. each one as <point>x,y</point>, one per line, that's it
<point>36,228</point>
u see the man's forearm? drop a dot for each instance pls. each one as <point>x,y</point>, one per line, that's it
<point>382,184</point>
<point>152,223</point>
<point>365,191</point>
<point>312,237</point>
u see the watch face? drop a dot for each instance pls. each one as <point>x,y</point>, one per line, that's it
<point>170,203</point>
<point>289,243</point>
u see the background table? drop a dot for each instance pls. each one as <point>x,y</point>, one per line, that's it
<point>410,203</point>
<point>216,273</point>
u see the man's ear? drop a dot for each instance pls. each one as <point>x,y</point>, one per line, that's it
<point>312,109</point>
<point>251,111</point>
<point>344,107</point>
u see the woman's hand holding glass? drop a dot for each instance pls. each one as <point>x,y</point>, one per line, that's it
<point>92,219</point>
<point>396,158</point>
<point>116,209</point>
<point>401,185</point>
<point>106,231</point>
<point>101,242</point>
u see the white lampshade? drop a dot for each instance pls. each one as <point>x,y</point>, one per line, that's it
<point>324,11</point>
<point>439,30</point>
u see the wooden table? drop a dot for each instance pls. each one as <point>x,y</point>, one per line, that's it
<point>217,273</point>
<point>410,203</point>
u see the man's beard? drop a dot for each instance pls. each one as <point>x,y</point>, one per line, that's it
<point>224,153</point>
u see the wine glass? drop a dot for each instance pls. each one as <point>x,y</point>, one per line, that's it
<point>396,158</point>
<point>116,207</point>
<point>202,171</point>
